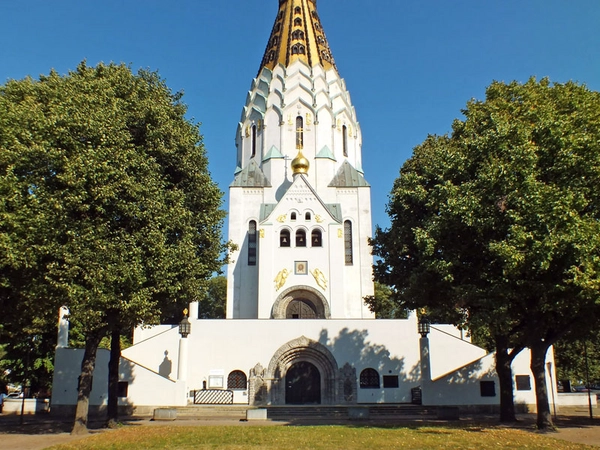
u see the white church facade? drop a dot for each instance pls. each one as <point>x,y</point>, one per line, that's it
<point>297,329</point>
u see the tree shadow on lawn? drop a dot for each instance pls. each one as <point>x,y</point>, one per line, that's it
<point>38,425</point>
<point>526,422</point>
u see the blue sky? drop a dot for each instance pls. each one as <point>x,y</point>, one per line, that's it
<point>410,65</point>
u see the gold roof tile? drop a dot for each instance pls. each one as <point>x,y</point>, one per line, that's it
<point>297,35</point>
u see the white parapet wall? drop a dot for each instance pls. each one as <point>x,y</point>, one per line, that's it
<point>12,406</point>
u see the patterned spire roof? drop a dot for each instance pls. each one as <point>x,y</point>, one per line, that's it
<point>297,35</point>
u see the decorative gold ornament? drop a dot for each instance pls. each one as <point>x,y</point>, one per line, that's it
<point>318,218</point>
<point>247,130</point>
<point>185,312</point>
<point>300,164</point>
<point>290,119</point>
<point>261,232</point>
<point>320,278</point>
<point>340,233</point>
<point>281,278</point>
<point>281,218</point>
<point>308,119</point>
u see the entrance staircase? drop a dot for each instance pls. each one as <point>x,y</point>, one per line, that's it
<point>320,412</point>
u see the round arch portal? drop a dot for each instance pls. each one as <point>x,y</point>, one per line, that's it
<point>304,302</point>
<point>303,360</point>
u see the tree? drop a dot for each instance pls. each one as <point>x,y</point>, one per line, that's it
<point>212,303</point>
<point>108,205</point>
<point>578,360</point>
<point>383,305</point>
<point>497,224</point>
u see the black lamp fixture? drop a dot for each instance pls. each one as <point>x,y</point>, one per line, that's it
<point>185,327</point>
<point>424,326</point>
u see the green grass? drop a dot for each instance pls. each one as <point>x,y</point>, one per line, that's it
<point>316,437</point>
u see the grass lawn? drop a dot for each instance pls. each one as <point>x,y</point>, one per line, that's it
<point>316,437</point>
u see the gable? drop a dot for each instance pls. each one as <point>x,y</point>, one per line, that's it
<point>301,197</point>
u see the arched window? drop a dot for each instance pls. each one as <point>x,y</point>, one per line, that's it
<point>253,141</point>
<point>345,140</point>
<point>299,132</point>
<point>293,216</point>
<point>300,238</point>
<point>348,257</point>
<point>307,216</point>
<point>369,379</point>
<point>297,21</point>
<point>252,243</point>
<point>274,41</point>
<point>237,380</point>
<point>284,238</point>
<point>297,10</point>
<point>316,238</point>
<point>298,49</point>
<point>298,34</point>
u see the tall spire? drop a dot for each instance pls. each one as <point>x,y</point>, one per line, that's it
<point>297,35</point>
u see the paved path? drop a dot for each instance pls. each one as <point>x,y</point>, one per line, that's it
<point>38,433</point>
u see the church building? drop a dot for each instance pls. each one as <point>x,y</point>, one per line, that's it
<point>297,329</point>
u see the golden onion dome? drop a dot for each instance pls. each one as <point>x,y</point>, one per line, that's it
<point>300,164</point>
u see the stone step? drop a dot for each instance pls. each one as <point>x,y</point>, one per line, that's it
<point>401,411</point>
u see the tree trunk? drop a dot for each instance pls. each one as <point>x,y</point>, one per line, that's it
<point>113,378</point>
<point>504,360</point>
<point>538,368</point>
<point>85,382</point>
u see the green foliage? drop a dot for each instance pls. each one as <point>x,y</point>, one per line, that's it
<point>107,205</point>
<point>213,302</point>
<point>571,361</point>
<point>383,305</point>
<point>498,223</point>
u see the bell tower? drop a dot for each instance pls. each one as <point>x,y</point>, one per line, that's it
<point>300,208</point>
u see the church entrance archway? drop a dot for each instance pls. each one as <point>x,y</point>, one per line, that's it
<point>303,371</point>
<point>301,302</point>
<point>303,384</point>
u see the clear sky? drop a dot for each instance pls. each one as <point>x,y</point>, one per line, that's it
<point>410,65</point>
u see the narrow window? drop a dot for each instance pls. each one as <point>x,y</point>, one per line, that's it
<point>300,238</point>
<point>297,21</point>
<point>348,257</point>
<point>297,10</point>
<point>237,380</point>
<point>369,379</point>
<point>293,216</point>
<point>316,238</point>
<point>345,140</point>
<point>252,243</point>
<point>307,216</point>
<point>299,133</point>
<point>253,141</point>
<point>284,238</point>
<point>122,387</point>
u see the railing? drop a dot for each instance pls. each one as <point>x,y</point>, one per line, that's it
<point>213,397</point>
